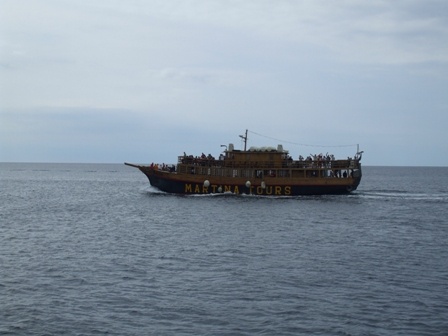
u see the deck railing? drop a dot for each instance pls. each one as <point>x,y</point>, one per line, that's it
<point>294,169</point>
<point>303,164</point>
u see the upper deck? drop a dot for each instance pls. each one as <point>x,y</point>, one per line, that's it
<point>267,160</point>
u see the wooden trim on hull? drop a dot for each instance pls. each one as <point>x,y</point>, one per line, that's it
<point>171,184</point>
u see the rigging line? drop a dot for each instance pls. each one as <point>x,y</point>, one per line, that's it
<point>300,144</point>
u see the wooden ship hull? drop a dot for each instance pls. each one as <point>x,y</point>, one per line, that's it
<point>265,171</point>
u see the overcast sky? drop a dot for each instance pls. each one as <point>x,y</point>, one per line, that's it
<point>144,81</point>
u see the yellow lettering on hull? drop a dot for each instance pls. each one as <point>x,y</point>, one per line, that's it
<point>258,190</point>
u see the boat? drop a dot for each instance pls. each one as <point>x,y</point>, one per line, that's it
<point>266,171</point>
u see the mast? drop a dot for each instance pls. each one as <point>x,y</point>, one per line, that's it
<point>244,137</point>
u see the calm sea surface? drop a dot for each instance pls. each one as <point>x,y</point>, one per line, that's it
<point>88,249</point>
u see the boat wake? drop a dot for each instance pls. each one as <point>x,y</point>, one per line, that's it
<point>402,195</point>
<point>155,192</point>
<point>152,190</point>
<point>368,194</point>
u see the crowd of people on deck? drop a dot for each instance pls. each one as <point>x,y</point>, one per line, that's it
<point>199,160</point>
<point>169,168</point>
<point>311,161</point>
<point>317,160</point>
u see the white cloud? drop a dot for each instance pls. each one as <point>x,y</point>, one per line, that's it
<point>380,31</point>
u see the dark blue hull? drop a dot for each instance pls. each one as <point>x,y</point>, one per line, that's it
<point>183,187</point>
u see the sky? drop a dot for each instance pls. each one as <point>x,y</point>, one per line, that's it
<point>143,81</point>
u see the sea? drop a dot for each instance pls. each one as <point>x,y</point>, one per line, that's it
<point>93,249</point>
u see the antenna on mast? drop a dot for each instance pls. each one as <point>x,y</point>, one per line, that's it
<point>244,137</point>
